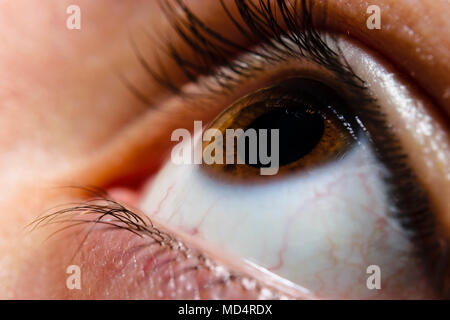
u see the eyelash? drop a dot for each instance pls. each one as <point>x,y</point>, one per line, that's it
<point>101,209</point>
<point>260,26</point>
<point>213,52</point>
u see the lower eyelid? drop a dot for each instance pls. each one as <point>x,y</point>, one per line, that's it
<point>118,264</point>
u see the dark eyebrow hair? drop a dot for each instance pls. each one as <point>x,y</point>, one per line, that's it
<point>281,29</point>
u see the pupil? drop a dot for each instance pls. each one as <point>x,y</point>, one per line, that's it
<point>300,130</point>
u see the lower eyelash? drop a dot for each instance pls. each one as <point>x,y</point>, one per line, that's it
<point>169,251</point>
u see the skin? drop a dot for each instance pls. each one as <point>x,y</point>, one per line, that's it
<point>67,119</point>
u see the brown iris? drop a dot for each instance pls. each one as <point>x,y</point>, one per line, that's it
<point>313,123</point>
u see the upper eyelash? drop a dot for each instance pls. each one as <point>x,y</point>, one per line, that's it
<point>213,51</point>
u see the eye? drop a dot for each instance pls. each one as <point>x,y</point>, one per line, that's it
<point>302,114</point>
<point>343,197</point>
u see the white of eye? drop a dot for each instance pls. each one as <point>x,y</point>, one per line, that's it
<point>320,228</point>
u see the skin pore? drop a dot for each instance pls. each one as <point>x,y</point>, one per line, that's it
<point>67,119</point>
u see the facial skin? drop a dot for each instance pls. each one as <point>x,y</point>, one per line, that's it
<point>67,119</point>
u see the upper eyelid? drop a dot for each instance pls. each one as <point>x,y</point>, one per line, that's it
<point>166,128</point>
<point>185,108</point>
<point>389,42</point>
